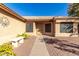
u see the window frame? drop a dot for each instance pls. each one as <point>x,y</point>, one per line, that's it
<point>32,27</point>
<point>45,30</point>
<point>66,23</point>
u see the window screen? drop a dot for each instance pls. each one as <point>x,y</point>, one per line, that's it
<point>66,27</point>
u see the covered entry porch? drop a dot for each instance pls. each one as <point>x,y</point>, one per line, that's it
<point>45,28</point>
<point>40,25</point>
<point>53,26</point>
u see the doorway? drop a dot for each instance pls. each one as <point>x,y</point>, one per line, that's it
<point>78,28</point>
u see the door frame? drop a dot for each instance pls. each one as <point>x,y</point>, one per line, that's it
<point>48,33</point>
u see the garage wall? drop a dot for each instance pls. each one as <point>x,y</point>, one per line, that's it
<point>9,32</point>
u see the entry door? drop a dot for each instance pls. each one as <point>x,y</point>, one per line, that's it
<point>78,28</point>
<point>47,28</point>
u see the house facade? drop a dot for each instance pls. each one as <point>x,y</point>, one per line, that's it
<point>11,24</point>
<point>60,26</point>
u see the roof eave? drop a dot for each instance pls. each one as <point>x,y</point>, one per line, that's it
<point>6,9</point>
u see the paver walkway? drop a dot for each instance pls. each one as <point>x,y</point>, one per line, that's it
<point>39,48</point>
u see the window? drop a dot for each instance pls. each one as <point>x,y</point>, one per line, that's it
<point>29,27</point>
<point>66,27</point>
<point>48,27</point>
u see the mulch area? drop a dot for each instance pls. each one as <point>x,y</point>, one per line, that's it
<point>25,48</point>
<point>65,46</point>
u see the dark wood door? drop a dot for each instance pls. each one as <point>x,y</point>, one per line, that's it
<point>78,28</point>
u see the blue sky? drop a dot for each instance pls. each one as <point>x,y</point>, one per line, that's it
<point>39,9</point>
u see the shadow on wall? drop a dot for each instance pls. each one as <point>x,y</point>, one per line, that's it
<point>63,45</point>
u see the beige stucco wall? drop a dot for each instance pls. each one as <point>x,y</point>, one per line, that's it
<point>67,20</point>
<point>15,27</point>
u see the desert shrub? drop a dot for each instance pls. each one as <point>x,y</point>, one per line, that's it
<point>24,35</point>
<point>6,50</point>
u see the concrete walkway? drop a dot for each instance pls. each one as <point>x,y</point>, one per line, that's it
<point>25,48</point>
<point>39,48</point>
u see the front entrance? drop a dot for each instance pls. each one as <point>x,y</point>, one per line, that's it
<point>78,28</point>
<point>48,28</point>
<point>39,28</point>
<point>45,28</point>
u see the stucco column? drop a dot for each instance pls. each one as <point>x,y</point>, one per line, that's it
<point>34,28</point>
<point>75,28</point>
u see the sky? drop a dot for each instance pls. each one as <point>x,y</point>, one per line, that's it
<point>39,9</point>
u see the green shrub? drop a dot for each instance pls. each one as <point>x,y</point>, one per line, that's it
<point>24,35</point>
<point>6,50</point>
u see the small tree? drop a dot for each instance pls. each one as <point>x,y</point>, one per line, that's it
<point>73,9</point>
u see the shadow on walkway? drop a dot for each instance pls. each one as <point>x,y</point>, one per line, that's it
<point>63,45</point>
